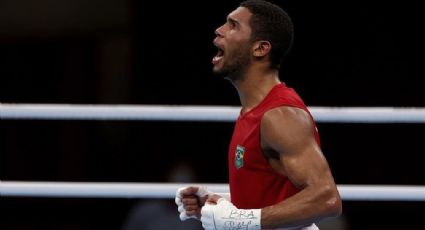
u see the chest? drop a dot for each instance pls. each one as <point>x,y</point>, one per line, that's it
<point>245,152</point>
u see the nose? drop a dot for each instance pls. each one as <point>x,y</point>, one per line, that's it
<point>219,31</point>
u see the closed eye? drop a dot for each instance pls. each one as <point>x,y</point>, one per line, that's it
<point>233,23</point>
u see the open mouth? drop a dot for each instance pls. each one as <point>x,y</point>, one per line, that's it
<point>218,56</point>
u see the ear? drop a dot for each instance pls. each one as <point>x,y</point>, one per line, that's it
<point>261,48</point>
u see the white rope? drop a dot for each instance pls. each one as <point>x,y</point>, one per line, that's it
<point>199,113</point>
<point>97,189</point>
<point>167,190</point>
<point>117,112</point>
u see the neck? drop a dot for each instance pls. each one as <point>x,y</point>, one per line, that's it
<point>255,85</point>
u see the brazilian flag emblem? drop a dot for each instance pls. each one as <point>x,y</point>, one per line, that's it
<point>240,151</point>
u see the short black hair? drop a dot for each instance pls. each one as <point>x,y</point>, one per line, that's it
<point>270,22</point>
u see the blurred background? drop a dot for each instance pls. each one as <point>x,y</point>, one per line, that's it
<point>346,53</point>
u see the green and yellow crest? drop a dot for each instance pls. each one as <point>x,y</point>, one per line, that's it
<point>239,153</point>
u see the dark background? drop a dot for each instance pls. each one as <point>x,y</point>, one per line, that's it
<point>346,53</point>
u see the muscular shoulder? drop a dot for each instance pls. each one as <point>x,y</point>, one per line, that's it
<point>285,127</point>
<point>287,116</point>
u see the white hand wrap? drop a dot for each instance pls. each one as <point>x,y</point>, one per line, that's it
<point>225,216</point>
<point>202,192</point>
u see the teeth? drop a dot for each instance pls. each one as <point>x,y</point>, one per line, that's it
<point>217,59</point>
<point>218,56</point>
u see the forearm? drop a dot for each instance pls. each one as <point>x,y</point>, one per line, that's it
<point>302,209</point>
<point>308,206</point>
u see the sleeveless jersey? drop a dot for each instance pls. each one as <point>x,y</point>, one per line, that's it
<point>253,183</point>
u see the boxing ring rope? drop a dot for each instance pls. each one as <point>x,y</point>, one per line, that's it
<point>193,113</point>
<point>200,113</point>
<point>168,190</point>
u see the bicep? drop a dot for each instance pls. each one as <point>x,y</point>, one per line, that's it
<point>305,167</point>
<point>289,132</point>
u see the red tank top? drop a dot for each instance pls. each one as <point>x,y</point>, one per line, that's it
<point>253,183</point>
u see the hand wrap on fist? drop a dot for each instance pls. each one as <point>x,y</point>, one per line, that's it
<point>190,200</point>
<point>225,216</point>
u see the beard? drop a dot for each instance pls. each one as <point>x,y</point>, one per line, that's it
<point>235,64</point>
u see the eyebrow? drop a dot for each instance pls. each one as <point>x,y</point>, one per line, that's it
<point>233,21</point>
